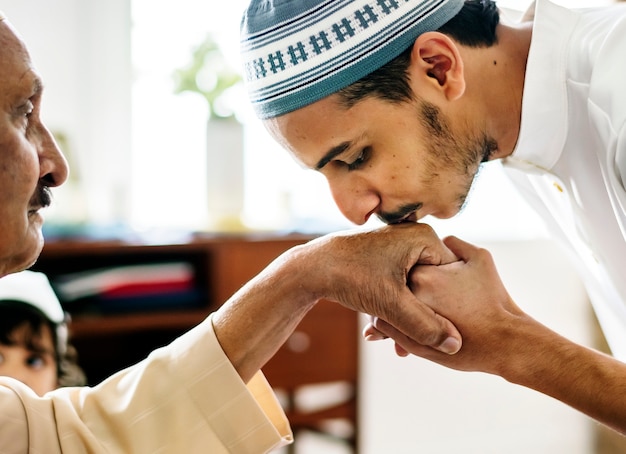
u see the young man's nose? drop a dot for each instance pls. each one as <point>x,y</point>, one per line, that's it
<point>355,200</point>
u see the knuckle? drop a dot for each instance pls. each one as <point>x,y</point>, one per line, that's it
<point>484,254</point>
<point>426,228</point>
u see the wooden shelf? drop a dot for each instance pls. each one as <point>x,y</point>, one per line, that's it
<point>96,325</point>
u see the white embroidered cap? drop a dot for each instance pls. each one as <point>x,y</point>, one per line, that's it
<point>296,52</point>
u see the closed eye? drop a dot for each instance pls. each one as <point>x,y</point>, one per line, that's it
<point>24,112</point>
<point>361,159</point>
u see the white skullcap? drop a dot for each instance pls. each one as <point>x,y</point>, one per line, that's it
<point>296,52</point>
<point>32,288</point>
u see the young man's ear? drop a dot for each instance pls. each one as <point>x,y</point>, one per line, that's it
<point>436,58</point>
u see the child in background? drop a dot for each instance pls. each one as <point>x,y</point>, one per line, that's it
<point>34,345</point>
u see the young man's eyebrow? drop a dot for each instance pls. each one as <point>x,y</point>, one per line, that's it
<point>330,154</point>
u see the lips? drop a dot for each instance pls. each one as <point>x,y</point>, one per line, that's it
<point>411,217</point>
<point>407,213</point>
<point>33,210</point>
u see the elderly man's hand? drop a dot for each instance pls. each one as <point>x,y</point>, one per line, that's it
<point>368,272</point>
<point>470,293</point>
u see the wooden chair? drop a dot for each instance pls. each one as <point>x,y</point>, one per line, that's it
<point>320,358</point>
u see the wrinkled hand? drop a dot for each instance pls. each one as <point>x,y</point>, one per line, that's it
<point>368,272</point>
<point>469,293</point>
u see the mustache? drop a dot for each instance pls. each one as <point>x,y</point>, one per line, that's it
<point>397,216</point>
<point>42,196</point>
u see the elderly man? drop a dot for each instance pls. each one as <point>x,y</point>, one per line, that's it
<point>205,391</point>
<point>397,104</point>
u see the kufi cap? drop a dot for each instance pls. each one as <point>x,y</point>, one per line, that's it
<point>296,52</point>
<point>32,288</point>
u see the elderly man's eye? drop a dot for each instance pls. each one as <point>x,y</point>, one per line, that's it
<point>24,113</point>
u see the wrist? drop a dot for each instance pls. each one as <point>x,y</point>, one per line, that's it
<point>531,350</point>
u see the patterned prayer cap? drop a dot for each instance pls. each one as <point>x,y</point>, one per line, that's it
<point>296,52</point>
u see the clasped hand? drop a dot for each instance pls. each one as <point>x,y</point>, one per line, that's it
<point>369,272</point>
<point>470,294</point>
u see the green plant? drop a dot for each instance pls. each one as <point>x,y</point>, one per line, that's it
<point>209,75</point>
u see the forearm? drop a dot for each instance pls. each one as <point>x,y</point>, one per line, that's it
<point>365,272</point>
<point>499,338</point>
<point>253,324</point>
<point>588,380</point>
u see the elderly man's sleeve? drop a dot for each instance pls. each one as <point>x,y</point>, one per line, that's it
<point>182,397</point>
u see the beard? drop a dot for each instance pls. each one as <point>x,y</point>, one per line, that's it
<point>462,154</point>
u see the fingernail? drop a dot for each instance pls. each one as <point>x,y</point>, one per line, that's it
<point>450,346</point>
<point>375,337</point>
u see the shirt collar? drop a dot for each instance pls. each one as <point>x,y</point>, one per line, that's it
<point>543,125</point>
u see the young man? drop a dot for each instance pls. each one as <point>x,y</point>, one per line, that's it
<point>204,392</point>
<point>397,105</point>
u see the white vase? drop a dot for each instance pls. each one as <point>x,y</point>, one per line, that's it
<point>225,179</point>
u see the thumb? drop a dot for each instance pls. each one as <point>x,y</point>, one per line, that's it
<point>425,326</point>
<point>460,248</point>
